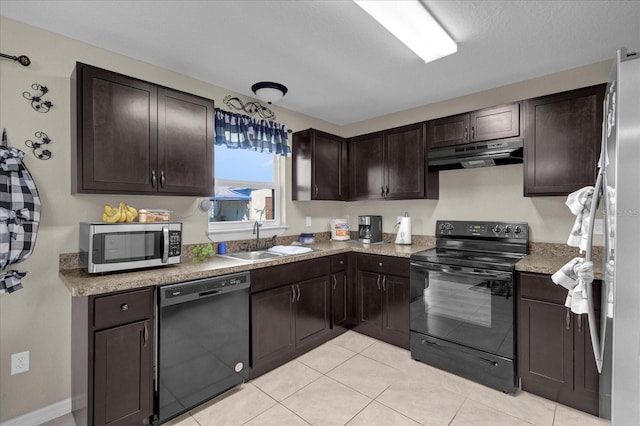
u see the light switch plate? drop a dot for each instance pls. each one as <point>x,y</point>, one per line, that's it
<point>307,221</point>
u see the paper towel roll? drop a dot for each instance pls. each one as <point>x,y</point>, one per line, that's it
<point>404,231</point>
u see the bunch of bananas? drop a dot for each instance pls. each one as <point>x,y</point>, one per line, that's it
<point>122,213</point>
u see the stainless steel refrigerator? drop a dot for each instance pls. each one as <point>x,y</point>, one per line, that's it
<point>616,343</point>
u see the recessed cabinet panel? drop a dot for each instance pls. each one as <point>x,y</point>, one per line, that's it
<point>366,170</point>
<point>448,131</point>
<point>495,123</point>
<point>404,153</point>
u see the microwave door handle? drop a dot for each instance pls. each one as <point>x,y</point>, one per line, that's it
<point>165,239</point>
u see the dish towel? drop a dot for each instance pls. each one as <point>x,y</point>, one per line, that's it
<point>574,276</point>
<point>579,202</point>
<point>290,249</point>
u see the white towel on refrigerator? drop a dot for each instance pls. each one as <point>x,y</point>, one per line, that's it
<point>579,202</point>
<point>574,276</point>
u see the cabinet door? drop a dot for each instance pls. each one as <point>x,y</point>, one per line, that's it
<point>339,314</point>
<point>395,321</point>
<point>586,395</point>
<point>272,323</point>
<point>185,144</point>
<point>117,136</point>
<point>448,131</point>
<point>366,177</point>
<point>370,298</point>
<point>545,348</point>
<point>123,371</point>
<point>404,159</point>
<point>562,141</point>
<point>330,180</point>
<point>495,123</point>
<point>312,309</point>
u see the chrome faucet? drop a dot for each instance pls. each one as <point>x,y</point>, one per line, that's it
<point>256,231</point>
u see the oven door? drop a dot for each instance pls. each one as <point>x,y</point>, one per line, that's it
<point>463,305</point>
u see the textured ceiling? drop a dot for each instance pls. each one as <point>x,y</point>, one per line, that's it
<point>339,64</point>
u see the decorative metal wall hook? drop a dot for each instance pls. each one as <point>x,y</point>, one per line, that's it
<point>36,100</point>
<point>22,59</point>
<point>42,154</point>
<point>251,108</point>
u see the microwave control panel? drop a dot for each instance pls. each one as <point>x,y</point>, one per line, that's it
<point>175,243</point>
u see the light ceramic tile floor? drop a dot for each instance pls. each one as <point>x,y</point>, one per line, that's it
<point>356,380</point>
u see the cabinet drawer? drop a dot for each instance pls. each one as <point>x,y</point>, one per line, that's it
<point>290,273</point>
<point>384,264</point>
<point>338,262</point>
<point>123,308</point>
<point>540,287</point>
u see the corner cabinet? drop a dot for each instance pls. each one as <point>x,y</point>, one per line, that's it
<point>391,165</point>
<point>555,359</point>
<point>497,122</point>
<point>319,166</point>
<point>135,137</point>
<point>562,141</point>
<point>382,286</point>
<point>112,359</point>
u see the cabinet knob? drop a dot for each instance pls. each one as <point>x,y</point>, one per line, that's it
<point>380,264</point>
<point>153,178</point>
<point>342,262</point>
<point>124,307</point>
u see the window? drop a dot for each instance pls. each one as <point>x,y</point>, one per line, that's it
<point>247,185</point>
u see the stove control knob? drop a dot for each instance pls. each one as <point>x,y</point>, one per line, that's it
<point>497,229</point>
<point>517,230</point>
<point>445,227</point>
<point>507,229</point>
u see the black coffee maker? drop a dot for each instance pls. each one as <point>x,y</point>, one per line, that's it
<point>370,229</point>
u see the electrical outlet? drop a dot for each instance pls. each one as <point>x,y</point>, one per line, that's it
<point>597,227</point>
<point>19,362</point>
<point>307,221</point>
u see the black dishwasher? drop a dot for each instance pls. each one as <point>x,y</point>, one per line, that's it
<point>202,344</point>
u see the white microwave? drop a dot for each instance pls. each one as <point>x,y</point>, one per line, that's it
<point>109,247</point>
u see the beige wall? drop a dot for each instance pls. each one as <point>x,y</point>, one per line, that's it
<point>37,318</point>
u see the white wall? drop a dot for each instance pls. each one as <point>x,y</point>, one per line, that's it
<point>38,318</point>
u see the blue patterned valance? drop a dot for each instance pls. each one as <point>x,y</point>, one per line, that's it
<point>244,132</point>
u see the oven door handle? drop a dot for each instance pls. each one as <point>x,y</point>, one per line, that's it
<point>462,271</point>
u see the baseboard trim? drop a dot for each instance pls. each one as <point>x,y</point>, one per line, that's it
<point>41,415</point>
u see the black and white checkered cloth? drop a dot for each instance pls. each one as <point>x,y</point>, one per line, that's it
<point>19,216</point>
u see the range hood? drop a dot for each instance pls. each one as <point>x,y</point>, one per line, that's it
<point>481,154</point>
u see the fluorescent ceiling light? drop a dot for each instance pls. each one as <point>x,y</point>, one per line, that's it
<point>413,25</point>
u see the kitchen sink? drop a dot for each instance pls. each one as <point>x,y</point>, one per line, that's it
<point>252,256</point>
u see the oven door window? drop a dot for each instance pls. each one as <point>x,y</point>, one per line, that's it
<point>469,310</point>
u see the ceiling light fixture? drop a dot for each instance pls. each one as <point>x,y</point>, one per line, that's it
<point>268,91</point>
<point>413,25</point>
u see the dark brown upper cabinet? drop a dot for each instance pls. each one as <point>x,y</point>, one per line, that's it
<point>492,123</point>
<point>562,141</point>
<point>135,137</point>
<point>319,166</point>
<point>391,165</point>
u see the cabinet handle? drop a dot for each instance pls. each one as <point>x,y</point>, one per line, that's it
<point>298,299</point>
<point>384,283</point>
<point>145,335</point>
<point>568,318</point>
<point>473,132</point>
<point>162,179</point>
<point>378,282</point>
<point>335,282</point>
<point>466,134</point>
<point>124,307</point>
<point>316,190</point>
<point>386,194</point>
<point>153,178</point>
<point>579,323</point>
<point>382,191</point>
<point>293,294</point>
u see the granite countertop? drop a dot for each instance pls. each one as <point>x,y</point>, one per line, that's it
<point>546,258</point>
<point>81,283</point>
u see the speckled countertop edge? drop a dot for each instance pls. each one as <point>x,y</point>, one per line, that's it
<point>81,283</point>
<point>543,258</point>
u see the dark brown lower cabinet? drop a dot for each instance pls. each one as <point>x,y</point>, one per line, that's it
<point>112,358</point>
<point>290,312</point>
<point>339,291</point>
<point>555,359</point>
<point>382,286</point>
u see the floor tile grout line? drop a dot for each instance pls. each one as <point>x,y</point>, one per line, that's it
<point>513,415</point>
